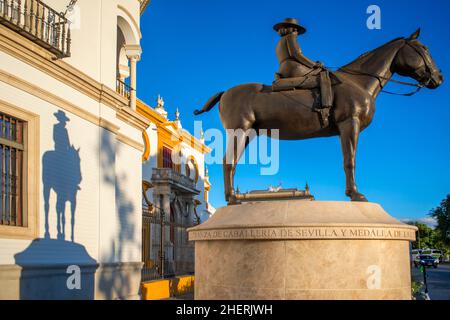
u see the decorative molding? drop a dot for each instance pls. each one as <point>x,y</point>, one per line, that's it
<point>13,276</point>
<point>147,147</point>
<point>133,118</point>
<point>133,51</point>
<point>55,100</point>
<point>144,5</point>
<point>39,58</point>
<point>170,137</point>
<point>108,125</point>
<point>73,109</point>
<point>130,16</point>
<point>132,143</point>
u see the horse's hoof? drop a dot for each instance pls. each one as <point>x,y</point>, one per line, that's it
<point>358,197</point>
<point>232,201</point>
<point>230,196</point>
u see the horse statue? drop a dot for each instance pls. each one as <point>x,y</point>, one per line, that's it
<point>256,106</point>
<point>62,173</point>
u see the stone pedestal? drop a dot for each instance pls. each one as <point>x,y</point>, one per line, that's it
<point>302,250</point>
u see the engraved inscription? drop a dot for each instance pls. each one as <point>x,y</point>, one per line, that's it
<point>305,233</point>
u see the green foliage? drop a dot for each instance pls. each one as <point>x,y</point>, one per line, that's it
<point>416,287</point>
<point>426,237</point>
<point>442,216</point>
<point>435,238</point>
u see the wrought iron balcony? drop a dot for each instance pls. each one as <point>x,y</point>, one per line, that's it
<point>167,176</point>
<point>38,22</point>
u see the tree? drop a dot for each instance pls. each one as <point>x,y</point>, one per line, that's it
<point>442,216</point>
<point>425,237</point>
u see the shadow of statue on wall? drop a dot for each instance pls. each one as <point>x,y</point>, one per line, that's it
<point>61,173</point>
<point>54,269</point>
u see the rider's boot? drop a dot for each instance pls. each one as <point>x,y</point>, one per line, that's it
<point>326,95</point>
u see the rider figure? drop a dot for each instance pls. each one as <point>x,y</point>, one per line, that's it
<point>297,71</point>
<point>292,61</point>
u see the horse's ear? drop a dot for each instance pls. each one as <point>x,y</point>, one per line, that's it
<point>415,35</point>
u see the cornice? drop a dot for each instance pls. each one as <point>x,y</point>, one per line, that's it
<point>39,58</point>
<point>144,5</point>
<point>164,127</point>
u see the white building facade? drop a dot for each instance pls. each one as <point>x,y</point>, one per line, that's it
<point>71,150</point>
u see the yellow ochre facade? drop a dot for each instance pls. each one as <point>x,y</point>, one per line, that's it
<point>176,191</point>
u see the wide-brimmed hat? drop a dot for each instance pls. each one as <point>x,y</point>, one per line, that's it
<point>61,116</point>
<point>292,23</point>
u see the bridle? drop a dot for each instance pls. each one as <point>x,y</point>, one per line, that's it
<point>380,78</point>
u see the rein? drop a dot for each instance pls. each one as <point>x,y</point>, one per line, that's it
<point>380,78</point>
<point>418,86</point>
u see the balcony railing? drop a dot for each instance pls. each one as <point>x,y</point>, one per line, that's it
<point>38,22</point>
<point>169,176</point>
<point>123,89</point>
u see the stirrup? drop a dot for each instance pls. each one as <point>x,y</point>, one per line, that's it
<point>324,115</point>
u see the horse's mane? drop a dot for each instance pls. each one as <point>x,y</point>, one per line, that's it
<point>368,54</point>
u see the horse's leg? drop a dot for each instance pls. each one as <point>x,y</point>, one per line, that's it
<point>60,204</point>
<point>228,161</point>
<point>239,143</point>
<point>241,147</point>
<point>349,134</point>
<point>227,178</point>
<point>46,209</point>
<point>73,207</point>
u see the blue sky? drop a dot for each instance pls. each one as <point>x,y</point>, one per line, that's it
<point>194,49</point>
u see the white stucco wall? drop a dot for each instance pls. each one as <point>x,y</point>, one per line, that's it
<point>82,135</point>
<point>94,36</point>
<point>111,170</point>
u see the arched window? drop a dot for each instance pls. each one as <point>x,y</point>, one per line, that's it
<point>128,53</point>
<point>122,68</point>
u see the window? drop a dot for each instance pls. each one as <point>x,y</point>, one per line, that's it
<point>19,173</point>
<point>11,168</point>
<point>167,158</point>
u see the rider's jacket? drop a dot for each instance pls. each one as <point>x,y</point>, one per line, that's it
<point>291,59</point>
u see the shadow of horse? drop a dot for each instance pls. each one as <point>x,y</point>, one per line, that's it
<point>62,174</point>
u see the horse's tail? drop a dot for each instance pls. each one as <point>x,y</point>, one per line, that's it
<point>210,103</point>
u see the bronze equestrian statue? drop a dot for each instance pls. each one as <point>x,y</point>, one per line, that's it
<point>294,111</point>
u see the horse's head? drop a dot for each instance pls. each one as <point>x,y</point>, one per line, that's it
<point>414,60</point>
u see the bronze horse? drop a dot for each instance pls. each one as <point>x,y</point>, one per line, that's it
<point>256,106</point>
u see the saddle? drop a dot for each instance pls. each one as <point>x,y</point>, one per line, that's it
<point>318,79</point>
